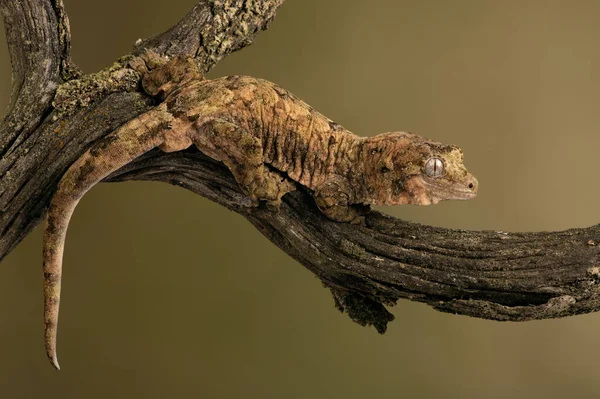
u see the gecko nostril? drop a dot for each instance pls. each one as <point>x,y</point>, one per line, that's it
<point>471,185</point>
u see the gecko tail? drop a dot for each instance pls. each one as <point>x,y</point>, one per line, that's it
<point>55,232</point>
<point>110,154</point>
<point>71,189</point>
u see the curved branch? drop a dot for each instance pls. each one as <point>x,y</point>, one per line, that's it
<point>38,37</point>
<point>492,275</point>
<point>213,29</point>
<point>488,274</point>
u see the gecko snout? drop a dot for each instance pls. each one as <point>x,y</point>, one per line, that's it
<point>472,184</point>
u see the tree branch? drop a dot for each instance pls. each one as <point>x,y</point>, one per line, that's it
<point>213,29</point>
<point>38,37</point>
<point>492,275</point>
<point>489,274</point>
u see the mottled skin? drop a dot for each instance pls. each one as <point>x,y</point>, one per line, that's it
<point>270,140</point>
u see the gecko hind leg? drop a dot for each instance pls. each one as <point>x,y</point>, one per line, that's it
<point>108,155</point>
<point>274,186</point>
<point>242,153</point>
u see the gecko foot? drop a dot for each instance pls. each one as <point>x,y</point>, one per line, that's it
<point>334,199</point>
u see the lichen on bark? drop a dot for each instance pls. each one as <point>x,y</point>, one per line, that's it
<point>79,93</point>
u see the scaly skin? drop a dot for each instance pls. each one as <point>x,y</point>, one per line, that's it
<point>271,141</point>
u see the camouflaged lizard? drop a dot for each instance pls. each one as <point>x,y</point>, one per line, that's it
<point>271,142</point>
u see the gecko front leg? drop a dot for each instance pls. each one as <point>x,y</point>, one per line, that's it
<point>333,198</point>
<point>156,128</point>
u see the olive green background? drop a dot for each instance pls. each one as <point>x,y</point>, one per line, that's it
<point>167,295</point>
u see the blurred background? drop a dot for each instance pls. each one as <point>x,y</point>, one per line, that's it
<point>167,295</point>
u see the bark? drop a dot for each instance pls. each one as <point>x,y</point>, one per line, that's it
<point>494,275</point>
<point>39,54</point>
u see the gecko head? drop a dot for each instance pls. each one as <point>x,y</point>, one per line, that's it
<point>409,169</point>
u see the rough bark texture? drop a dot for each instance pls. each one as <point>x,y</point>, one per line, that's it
<point>213,29</point>
<point>493,275</point>
<point>38,49</point>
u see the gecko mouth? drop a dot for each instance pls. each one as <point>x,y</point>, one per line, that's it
<point>444,190</point>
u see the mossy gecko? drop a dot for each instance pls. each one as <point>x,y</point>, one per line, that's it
<point>271,142</point>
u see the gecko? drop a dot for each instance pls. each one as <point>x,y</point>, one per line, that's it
<point>271,142</point>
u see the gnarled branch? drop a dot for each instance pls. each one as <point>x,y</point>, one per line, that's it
<point>493,275</point>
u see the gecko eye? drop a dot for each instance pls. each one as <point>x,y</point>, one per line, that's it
<point>434,167</point>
